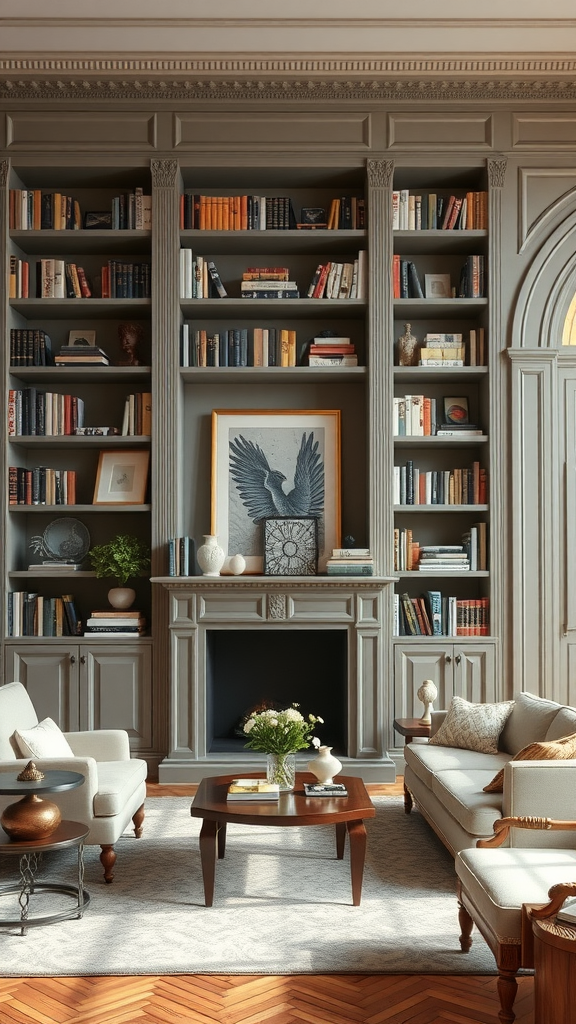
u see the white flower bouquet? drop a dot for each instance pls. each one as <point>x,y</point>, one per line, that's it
<point>281,732</point>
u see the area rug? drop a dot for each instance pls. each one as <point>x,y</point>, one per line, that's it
<point>282,904</point>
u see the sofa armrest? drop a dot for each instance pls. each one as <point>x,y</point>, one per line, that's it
<point>436,719</point>
<point>502,828</point>
<point>101,744</point>
<point>543,789</point>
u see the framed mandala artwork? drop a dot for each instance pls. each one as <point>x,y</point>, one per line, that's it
<point>290,546</point>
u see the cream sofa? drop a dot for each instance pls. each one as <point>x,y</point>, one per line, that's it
<point>447,783</point>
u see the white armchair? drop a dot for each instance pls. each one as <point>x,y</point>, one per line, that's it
<point>114,787</point>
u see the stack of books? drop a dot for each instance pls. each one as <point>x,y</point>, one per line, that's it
<point>350,562</point>
<point>78,355</point>
<point>108,622</point>
<point>442,350</point>
<point>268,283</point>
<point>331,352</point>
<point>438,558</point>
<point>253,791</point>
<point>323,789</point>
<point>459,430</point>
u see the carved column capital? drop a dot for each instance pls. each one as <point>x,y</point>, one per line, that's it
<point>380,173</point>
<point>164,173</point>
<point>4,170</point>
<point>497,172</point>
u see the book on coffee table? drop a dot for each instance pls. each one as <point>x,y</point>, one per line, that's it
<point>318,789</point>
<point>253,789</point>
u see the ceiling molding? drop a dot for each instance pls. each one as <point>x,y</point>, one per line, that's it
<point>324,23</point>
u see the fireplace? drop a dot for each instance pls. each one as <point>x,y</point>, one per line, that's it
<point>246,667</point>
<point>235,641</point>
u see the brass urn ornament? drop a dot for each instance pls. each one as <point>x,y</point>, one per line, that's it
<point>31,817</point>
<point>30,773</point>
<point>408,348</point>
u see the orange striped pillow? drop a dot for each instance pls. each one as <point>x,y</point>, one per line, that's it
<point>554,750</point>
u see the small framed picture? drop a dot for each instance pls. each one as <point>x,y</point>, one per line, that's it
<point>456,410</point>
<point>121,478</point>
<point>437,286</point>
<point>98,219</point>
<point>83,339</point>
<point>312,217</point>
<point>290,546</point>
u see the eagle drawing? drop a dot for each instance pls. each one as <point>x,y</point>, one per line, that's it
<point>261,487</point>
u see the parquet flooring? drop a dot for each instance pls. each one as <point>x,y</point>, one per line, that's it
<point>258,999</point>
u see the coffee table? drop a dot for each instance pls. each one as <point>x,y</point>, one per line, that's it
<point>293,809</point>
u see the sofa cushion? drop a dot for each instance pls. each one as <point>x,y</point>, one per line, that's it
<point>530,719</point>
<point>43,740</point>
<point>117,780</point>
<point>556,750</point>
<point>499,881</point>
<point>473,726</point>
<point>563,724</point>
<point>426,760</point>
<point>461,793</point>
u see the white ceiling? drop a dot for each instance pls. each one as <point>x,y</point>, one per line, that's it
<point>302,27</point>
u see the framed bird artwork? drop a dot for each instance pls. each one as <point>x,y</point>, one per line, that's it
<point>273,463</point>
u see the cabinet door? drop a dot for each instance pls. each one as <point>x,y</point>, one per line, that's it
<point>50,675</point>
<point>117,690</point>
<point>413,663</point>
<point>474,672</point>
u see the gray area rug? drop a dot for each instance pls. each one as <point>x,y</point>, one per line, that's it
<point>282,905</point>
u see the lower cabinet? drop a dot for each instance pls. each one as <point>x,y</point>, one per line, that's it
<point>88,686</point>
<point>460,669</point>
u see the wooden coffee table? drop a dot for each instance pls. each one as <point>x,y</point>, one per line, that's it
<point>347,814</point>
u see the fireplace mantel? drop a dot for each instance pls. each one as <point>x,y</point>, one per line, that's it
<point>201,604</point>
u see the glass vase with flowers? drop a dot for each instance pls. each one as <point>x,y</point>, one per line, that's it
<point>279,734</point>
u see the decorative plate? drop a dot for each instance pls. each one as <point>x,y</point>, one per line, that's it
<point>290,546</point>
<point>64,540</point>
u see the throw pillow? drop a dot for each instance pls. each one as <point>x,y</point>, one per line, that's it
<point>554,750</point>
<point>473,726</point>
<point>44,740</point>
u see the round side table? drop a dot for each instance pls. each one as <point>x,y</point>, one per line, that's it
<point>554,971</point>
<point>68,833</point>
<point>32,817</point>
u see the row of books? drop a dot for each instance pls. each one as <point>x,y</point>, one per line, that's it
<point>43,413</point>
<point>430,211</point>
<point>238,346</point>
<point>137,418</point>
<point>109,622</point>
<point>236,213</point>
<point>181,556</point>
<point>41,485</point>
<point>348,213</point>
<point>33,209</point>
<point>36,210</point>
<point>334,280</point>
<point>406,283</point>
<point>30,347</point>
<point>472,284</point>
<point>122,280</point>
<point>31,614</point>
<point>419,416</point>
<point>460,486</point>
<point>433,614</point>
<point>199,277</point>
<point>469,556</point>
<point>350,562</point>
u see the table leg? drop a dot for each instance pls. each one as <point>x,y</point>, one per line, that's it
<point>28,867</point>
<point>407,800</point>
<point>340,839</point>
<point>80,879</point>
<point>221,826</point>
<point>208,858</point>
<point>357,834</point>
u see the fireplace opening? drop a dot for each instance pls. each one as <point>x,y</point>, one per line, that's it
<point>245,668</point>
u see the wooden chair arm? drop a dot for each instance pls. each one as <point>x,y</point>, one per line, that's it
<point>502,828</point>
<point>533,911</point>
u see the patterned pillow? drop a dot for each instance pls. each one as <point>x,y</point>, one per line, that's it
<point>553,750</point>
<point>473,726</point>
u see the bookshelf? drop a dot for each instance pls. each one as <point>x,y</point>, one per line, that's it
<point>78,682</point>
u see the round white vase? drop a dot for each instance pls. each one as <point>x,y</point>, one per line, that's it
<point>121,597</point>
<point>210,555</point>
<point>325,766</point>
<point>237,564</point>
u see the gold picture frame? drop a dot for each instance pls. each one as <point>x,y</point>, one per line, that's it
<point>261,459</point>
<point>121,478</point>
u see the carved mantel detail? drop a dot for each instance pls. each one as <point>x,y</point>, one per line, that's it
<point>277,606</point>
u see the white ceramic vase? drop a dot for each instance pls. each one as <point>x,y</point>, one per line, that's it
<point>237,564</point>
<point>210,555</point>
<point>121,597</point>
<point>325,766</point>
<point>427,693</point>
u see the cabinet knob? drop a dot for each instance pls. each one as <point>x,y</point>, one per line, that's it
<point>448,659</point>
<point>82,659</point>
<point>72,659</point>
<point>458,659</point>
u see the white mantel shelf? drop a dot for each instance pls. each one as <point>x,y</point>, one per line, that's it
<point>200,605</point>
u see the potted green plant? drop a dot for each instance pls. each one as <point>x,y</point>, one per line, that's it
<point>123,558</point>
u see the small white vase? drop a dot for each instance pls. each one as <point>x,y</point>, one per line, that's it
<point>121,597</point>
<point>237,564</point>
<point>210,555</point>
<point>325,766</point>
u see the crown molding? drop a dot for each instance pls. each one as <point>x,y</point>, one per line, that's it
<point>279,22</point>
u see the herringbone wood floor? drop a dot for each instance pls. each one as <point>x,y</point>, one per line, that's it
<point>257,999</point>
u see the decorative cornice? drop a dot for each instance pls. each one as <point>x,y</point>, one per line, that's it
<point>287,89</point>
